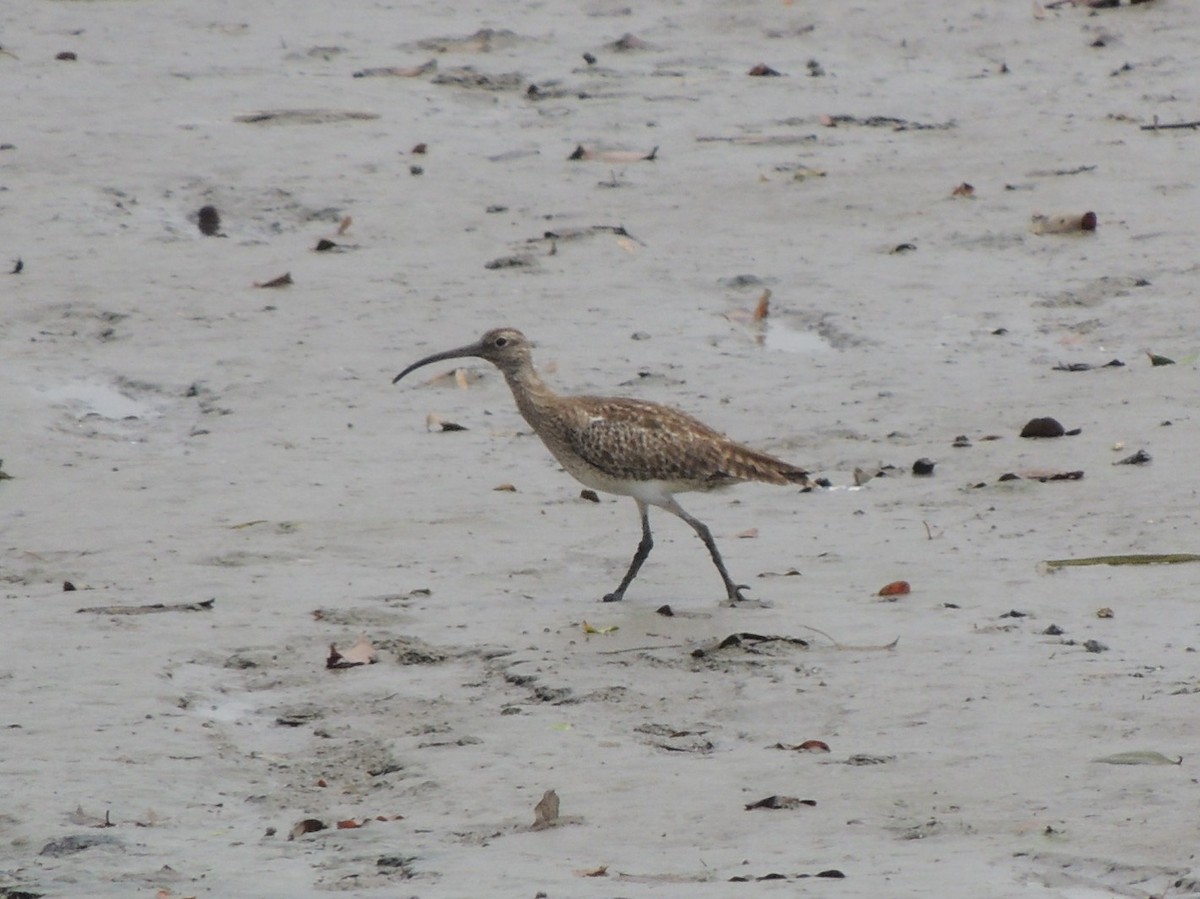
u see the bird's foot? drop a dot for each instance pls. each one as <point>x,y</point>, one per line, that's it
<point>615,596</point>
<point>737,600</point>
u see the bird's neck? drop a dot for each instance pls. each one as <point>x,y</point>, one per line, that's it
<point>530,392</point>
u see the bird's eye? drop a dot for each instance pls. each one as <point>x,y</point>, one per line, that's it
<point>500,342</point>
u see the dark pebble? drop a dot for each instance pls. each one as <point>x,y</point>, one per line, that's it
<point>68,587</point>
<point>1053,631</point>
<point>323,245</point>
<point>923,466</point>
<point>1043,427</point>
<point>67,56</point>
<point>1141,457</point>
<point>1094,646</point>
<point>961,442</point>
<point>209,221</point>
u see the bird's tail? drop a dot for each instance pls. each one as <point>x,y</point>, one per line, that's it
<point>746,464</point>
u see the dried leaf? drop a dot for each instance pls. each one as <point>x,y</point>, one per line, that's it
<point>780,802</point>
<point>435,422</point>
<point>308,825</point>
<point>591,629</point>
<point>764,306</point>
<point>545,813</point>
<point>1105,612</point>
<point>1142,757</point>
<point>350,824</point>
<point>895,588</point>
<point>963,190</point>
<point>397,71</point>
<point>1156,359</point>
<point>1044,475</point>
<point>1062,223</point>
<point>601,871</point>
<point>361,653</point>
<point>505,488</point>
<point>282,281</point>
<point>617,156</point>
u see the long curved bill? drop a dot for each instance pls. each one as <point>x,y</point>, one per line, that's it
<point>473,349</point>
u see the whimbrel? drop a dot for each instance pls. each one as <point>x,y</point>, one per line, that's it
<point>625,446</point>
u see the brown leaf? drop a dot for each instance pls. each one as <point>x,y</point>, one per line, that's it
<point>617,156</point>
<point>780,802</point>
<point>545,813</point>
<point>505,488</point>
<point>895,588</point>
<point>963,190</point>
<point>282,281</point>
<point>1062,223</point>
<point>601,871</point>
<point>764,306</point>
<point>308,825</point>
<point>361,653</point>
<point>435,422</point>
<point>350,824</point>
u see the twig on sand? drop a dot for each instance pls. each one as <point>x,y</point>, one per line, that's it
<point>846,647</point>
<point>1157,126</point>
<point>1131,559</point>
<point>202,606</point>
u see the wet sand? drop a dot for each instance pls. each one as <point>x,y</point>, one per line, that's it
<point>177,436</point>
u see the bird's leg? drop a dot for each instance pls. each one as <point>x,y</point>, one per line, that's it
<point>643,550</point>
<point>732,590</point>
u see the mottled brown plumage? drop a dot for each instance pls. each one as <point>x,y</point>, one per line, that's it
<point>625,446</point>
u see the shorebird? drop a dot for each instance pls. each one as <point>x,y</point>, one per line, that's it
<point>624,446</point>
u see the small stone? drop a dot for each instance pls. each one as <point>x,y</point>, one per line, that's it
<point>1043,427</point>
<point>923,467</point>
<point>1141,457</point>
<point>209,221</point>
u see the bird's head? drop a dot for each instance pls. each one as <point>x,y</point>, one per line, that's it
<point>506,348</point>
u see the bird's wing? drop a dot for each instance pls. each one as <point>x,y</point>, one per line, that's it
<point>648,442</point>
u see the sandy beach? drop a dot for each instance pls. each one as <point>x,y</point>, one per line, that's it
<point>211,481</point>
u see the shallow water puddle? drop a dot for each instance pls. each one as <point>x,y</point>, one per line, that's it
<point>780,336</point>
<point>87,398</point>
